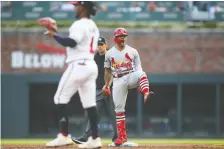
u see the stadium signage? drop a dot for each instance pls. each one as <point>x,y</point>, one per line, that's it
<point>20,59</point>
<point>50,58</point>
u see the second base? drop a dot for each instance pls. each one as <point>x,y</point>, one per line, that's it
<point>126,144</point>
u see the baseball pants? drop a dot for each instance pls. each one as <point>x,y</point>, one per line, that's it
<point>79,76</point>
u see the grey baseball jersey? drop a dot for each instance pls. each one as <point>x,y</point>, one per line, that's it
<point>127,60</point>
<point>122,61</point>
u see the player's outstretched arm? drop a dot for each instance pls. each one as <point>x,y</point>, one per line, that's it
<point>107,77</point>
<point>64,41</point>
<point>51,26</point>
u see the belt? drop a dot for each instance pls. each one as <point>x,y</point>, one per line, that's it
<point>80,61</point>
<point>121,74</point>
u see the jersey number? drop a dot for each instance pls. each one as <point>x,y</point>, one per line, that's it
<point>91,46</point>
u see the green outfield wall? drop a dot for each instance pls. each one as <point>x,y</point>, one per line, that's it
<point>28,108</point>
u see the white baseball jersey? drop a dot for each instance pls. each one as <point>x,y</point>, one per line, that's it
<point>86,34</point>
<point>81,73</point>
<point>122,61</point>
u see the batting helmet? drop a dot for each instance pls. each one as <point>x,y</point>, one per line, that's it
<point>120,32</point>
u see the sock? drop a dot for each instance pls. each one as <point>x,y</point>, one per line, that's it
<point>120,118</point>
<point>92,114</point>
<point>144,84</point>
<point>63,119</point>
<point>64,126</point>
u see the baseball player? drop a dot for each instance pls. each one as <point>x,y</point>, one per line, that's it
<point>123,63</point>
<point>104,102</point>
<point>80,74</point>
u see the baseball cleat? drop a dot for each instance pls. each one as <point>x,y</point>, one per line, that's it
<point>79,140</point>
<point>147,96</point>
<point>60,141</point>
<point>91,143</point>
<point>120,140</point>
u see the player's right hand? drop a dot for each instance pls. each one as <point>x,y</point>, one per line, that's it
<point>49,33</point>
<point>106,90</point>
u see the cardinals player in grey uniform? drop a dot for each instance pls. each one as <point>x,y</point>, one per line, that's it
<point>123,64</point>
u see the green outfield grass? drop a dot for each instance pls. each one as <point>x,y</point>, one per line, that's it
<point>107,141</point>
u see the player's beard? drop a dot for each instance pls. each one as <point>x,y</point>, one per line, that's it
<point>120,42</point>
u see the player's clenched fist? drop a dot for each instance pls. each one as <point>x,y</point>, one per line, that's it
<point>106,90</point>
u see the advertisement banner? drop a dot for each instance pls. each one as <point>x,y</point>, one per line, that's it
<point>164,52</point>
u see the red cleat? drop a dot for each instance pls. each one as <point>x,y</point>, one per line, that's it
<point>120,140</point>
<point>147,96</point>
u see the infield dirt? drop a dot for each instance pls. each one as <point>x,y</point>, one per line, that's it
<point>151,146</point>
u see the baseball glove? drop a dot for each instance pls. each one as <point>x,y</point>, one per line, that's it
<point>48,23</point>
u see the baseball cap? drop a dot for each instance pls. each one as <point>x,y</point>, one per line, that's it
<point>85,3</point>
<point>90,5</point>
<point>102,40</point>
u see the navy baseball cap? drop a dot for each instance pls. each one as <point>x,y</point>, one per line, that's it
<point>87,4</point>
<point>102,40</point>
<point>90,5</point>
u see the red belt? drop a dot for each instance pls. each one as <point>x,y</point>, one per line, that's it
<point>121,74</point>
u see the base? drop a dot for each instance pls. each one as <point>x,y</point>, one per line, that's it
<point>126,144</point>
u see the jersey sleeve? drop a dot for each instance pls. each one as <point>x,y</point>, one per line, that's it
<point>76,32</point>
<point>137,61</point>
<point>107,63</point>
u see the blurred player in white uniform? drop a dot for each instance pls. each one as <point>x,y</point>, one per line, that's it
<point>80,74</point>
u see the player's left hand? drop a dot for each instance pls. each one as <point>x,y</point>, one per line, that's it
<point>48,23</point>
